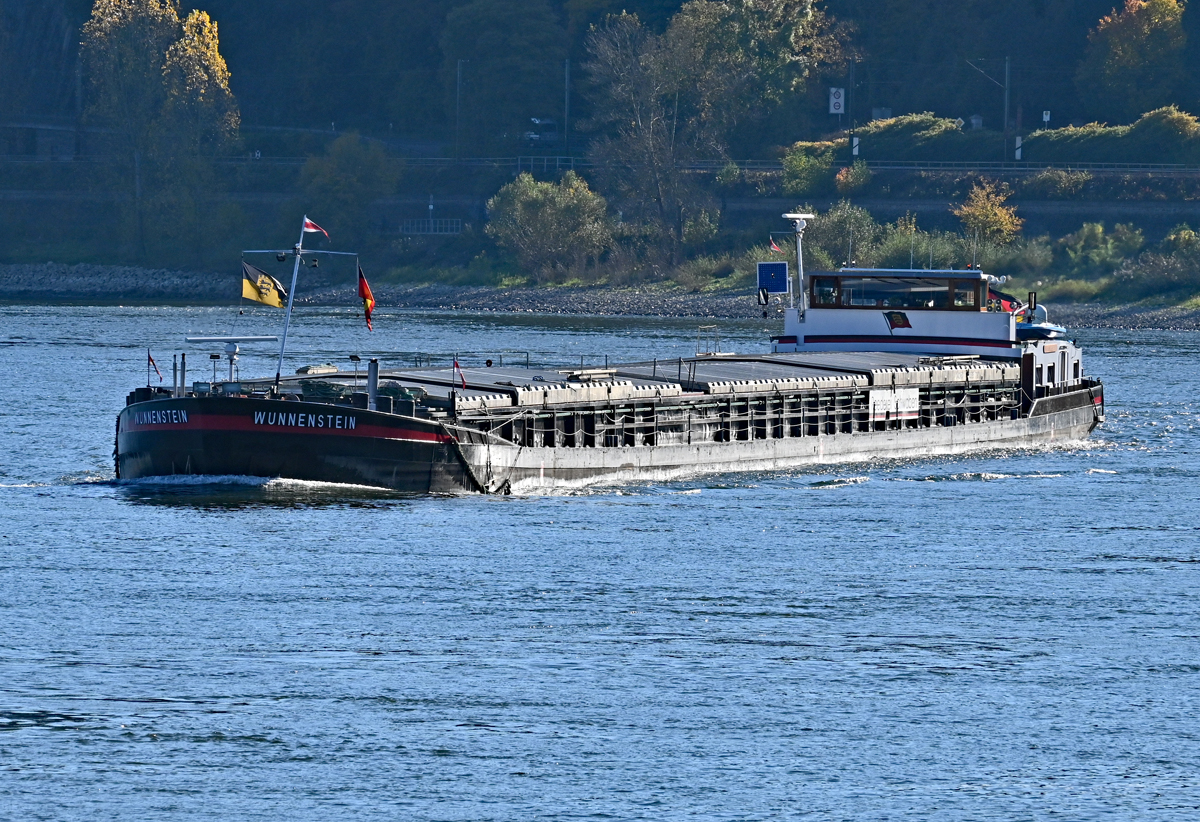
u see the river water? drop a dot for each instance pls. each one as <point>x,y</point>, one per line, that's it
<point>1006,636</point>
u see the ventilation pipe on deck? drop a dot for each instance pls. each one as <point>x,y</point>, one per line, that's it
<point>182,375</point>
<point>372,384</point>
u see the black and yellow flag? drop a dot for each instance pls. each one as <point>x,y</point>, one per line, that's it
<point>261,287</point>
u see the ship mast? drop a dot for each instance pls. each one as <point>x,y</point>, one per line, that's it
<point>287,319</point>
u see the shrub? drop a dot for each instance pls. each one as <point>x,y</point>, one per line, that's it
<point>1154,275</point>
<point>855,178</point>
<point>550,227</point>
<point>1090,252</point>
<point>1056,184</point>
<point>1181,238</point>
<point>845,233</point>
<point>807,174</point>
<point>984,215</point>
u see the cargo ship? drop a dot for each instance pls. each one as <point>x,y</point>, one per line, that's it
<point>871,364</point>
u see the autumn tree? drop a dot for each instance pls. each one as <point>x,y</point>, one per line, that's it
<point>550,227</point>
<point>985,217</point>
<point>123,51</point>
<point>159,89</point>
<point>1134,60</point>
<point>199,107</point>
<point>663,102</point>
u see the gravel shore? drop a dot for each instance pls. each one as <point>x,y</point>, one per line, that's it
<point>53,283</point>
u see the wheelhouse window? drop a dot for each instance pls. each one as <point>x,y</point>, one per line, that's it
<point>895,292</point>
<point>825,292</point>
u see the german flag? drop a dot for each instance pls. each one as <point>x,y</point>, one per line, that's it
<point>364,291</point>
<point>261,287</point>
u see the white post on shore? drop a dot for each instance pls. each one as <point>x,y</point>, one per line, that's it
<point>287,319</point>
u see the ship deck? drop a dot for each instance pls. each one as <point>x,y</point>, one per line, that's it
<point>702,374</point>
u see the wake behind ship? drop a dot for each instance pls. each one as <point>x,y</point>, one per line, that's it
<point>871,364</point>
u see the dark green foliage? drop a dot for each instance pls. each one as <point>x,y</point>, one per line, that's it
<point>512,70</point>
<point>343,184</point>
<point>1166,135</point>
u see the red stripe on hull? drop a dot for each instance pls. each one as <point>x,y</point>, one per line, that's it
<point>213,422</point>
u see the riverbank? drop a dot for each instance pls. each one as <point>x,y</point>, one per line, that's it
<point>55,284</point>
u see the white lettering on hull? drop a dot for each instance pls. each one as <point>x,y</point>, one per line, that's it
<point>170,416</point>
<point>338,422</point>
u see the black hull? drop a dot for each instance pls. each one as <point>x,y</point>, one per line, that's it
<point>273,438</point>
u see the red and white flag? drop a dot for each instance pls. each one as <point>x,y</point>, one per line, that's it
<point>459,372</point>
<point>150,363</point>
<point>312,228</point>
<point>774,247</point>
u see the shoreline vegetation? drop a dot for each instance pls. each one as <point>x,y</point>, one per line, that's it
<point>84,284</point>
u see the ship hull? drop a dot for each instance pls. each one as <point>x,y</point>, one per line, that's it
<point>293,440</point>
<point>534,468</point>
<point>222,436</point>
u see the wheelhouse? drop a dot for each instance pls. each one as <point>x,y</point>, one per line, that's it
<point>915,291</point>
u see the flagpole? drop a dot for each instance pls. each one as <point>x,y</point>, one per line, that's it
<point>287,319</point>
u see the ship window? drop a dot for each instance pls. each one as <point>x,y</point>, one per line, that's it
<point>1076,369</point>
<point>872,292</point>
<point>966,294</point>
<point>1037,375</point>
<point>1050,373</point>
<point>825,291</point>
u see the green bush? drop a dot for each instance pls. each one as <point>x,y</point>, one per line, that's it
<point>1165,135</point>
<point>1158,277</point>
<point>927,137</point>
<point>806,174</point>
<point>854,178</point>
<point>1055,184</point>
<point>1090,252</point>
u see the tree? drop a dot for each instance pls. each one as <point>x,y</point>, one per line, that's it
<point>124,49</point>
<point>511,53</point>
<point>664,102</point>
<point>159,88</point>
<point>199,107</point>
<point>550,227</point>
<point>641,158</point>
<point>985,217</point>
<point>344,183</point>
<point>1134,60</point>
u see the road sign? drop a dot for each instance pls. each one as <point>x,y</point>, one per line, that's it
<point>837,101</point>
<point>773,278</point>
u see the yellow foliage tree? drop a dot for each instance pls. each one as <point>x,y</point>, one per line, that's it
<point>1134,60</point>
<point>198,100</point>
<point>159,89</point>
<point>985,216</point>
<point>156,80</point>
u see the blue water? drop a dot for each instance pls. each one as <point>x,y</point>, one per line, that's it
<point>1008,636</point>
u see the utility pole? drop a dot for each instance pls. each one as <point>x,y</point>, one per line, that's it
<point>1007,62</point>
<point>850,109</point>
<point>566,106</point>
<point>457,105</point>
